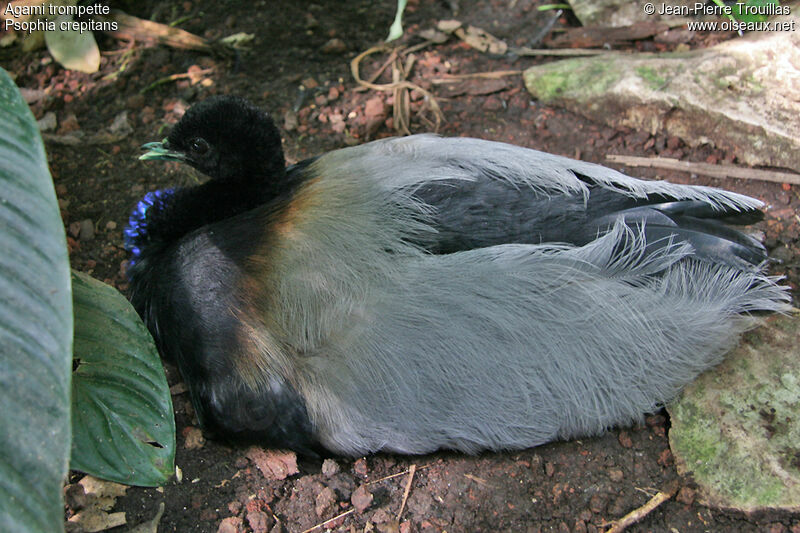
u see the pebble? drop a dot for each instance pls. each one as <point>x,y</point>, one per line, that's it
<point>324,501</point>
<point>686,495</point>
<point>290,121</point>
<point>334,46</point>
<point>361,499</point>
<point>783,254</point>
<point>75,496</point>
<point>665,457</point>
<point>232,524</point>
<point>86,230</point>
<point>360,467</point>
<point>48,122</point>
<point>70,123</point>
<point>330,468</point>
<point>74,229</point>
<point>194,438</point>
<point>259,521</point>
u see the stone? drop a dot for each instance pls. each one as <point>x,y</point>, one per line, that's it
<point>716,95</point>
<point>736,429</point>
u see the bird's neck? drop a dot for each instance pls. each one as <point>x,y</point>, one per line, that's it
<point>163,217</point>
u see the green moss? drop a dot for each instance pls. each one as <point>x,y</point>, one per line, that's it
<point>552,81</point>
<point>649,74</point>
<point>736,429</point>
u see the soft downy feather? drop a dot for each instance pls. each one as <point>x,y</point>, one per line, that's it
<point>500,347</point>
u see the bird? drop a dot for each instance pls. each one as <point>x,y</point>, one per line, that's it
<point>420,293</point>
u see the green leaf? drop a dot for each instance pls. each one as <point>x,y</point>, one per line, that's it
<point>35,327</point>
<point>396,30</point>
<point>123,428</point>
<point>74,49</point>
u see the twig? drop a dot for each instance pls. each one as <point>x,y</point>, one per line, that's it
<point>175,77</point>
<point>400,87</point>
<point>321,525</point>
<point>493,75</point>
<point>638,514</point>
<point>479,481</point>
<point>559,52</point>
<point>398,474</point>
<point>412,469</point>
<point>707,169</point>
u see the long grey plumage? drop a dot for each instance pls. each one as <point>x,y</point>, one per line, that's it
<point>498,347</point>
<point>422,293</point>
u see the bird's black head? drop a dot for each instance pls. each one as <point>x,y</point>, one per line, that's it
<point>226,138</point>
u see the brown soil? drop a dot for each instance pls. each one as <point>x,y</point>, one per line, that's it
<point>571,486</point>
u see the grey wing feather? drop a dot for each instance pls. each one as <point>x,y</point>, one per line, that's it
<point>419,159</point>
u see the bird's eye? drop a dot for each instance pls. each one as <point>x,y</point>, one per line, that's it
<point>198,145</point>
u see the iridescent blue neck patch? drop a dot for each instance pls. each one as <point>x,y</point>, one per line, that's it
<point>136,231</point>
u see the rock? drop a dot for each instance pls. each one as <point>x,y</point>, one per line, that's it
<point>86,232</point>
<point>69,124</point>
<point>625,439</point>
<point>782,254</point>
<point>616,475</point>
<point>74,229</point>
<point>615,13</point>
<point>273,464</point>
<point>324,501</point>
<point>361,499</point>
<point>75,496</point>
<point>259,521</point>
<point>736,429</point>
<point>194,438</point>
<point>32,95</point>
<point>686,495</point>
<point>330,468</point>
<point>713,95</point>
<point>334,46</point>
<point>290,121</point>
<point>360,467</point>
<point>375,108</point>
<point>48,122</point>
<point>232,524</point>
<point>121,126</point>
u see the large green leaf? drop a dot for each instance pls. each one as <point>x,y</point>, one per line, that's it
<point>123,427</point>
<point>35,327</point>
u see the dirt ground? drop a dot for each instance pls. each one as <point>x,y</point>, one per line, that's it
<point>570,486</point>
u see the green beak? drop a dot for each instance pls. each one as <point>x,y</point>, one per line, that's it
<point>158,150</point>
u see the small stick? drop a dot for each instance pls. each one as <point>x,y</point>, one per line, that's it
<point>175,77</point>
<point>396,87</point>
<point>309,530</point>
<point>478,480</point>
<point>493,75</point>
<point>412,469</point>
<point>637,515</point>
<point>560,52</point>
<point>398,474</point>
<point>707,169</point>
